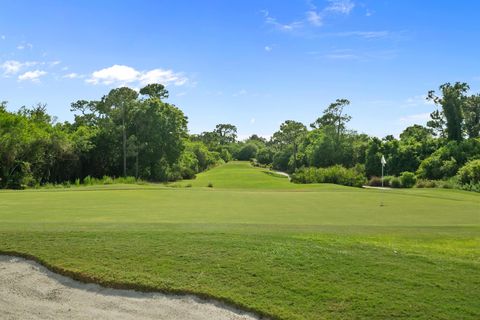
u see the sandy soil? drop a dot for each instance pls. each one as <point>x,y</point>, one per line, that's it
<point>30,291</point>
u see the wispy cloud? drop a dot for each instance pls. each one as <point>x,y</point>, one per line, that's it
<point>12,67</point>
<point>419,118</point>
<point>24,45</point>
<point>54,63</point>
<point>360,55</point>
<point>417,101</point>
<point>342,55</point>
<point>361,34</point>
<point>340,6</point>
<point>240,93</point>
<point>121,75</point>
<point>314,18</point>
<point>33,76</point>
<point>281,26</point>
<point>73,75</point>
<point>3,37</point>
<point>252,121</point>
<point>268,48</point>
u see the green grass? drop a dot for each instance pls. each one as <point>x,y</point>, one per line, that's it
<point>260,242</point>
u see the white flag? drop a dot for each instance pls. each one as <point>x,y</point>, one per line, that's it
<point>384,162</point>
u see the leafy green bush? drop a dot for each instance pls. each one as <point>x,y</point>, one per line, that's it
<point>469,174</point>
<point>387,181</point>
<point>226,155</point>
<point>127,180</point>
<point>375,182</point>
<point>445,162</point>
<point>87,181</point>
<point>265,156</point>
<point>425,183</point>
<point>107,180</point>
<point>471,187</point>
<point>408,179</point>
<point>210,185</point>
<point>247,152</point>
<point>335,174</point>
<point>395,182</point>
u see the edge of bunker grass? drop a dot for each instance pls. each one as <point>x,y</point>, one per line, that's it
<point>89,279</point>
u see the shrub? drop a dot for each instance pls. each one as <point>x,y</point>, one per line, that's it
<point>225,155</point>
<point>408,179</point>
<point>265,156</point>
<point>335,174</point>
<point>446,161</point>
<point>77,182</point>
<point>375,182</point>
<point>210,185</point>
<point>247,152</point>
<point>395,182</point>
<point>387,181</point>
<point>126,180</point>
<point>469,174</point>
<point>107,180</point>
<point>87,181</point>
<point>425,183</point>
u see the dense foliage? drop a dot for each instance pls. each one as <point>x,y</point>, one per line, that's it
<point>126,133</point>
<point>122,134</point>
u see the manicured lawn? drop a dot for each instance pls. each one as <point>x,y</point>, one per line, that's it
<point>258,241</point>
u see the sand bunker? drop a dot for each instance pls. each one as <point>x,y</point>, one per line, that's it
<point>30,291</point>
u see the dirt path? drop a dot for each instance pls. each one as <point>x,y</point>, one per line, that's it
<point>30,291</point>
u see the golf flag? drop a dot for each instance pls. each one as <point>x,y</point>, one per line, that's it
<point>384,162</point>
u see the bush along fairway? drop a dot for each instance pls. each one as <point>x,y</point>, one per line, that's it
<point>289,251</point>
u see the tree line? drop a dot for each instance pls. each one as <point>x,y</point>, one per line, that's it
<point>138,134</point>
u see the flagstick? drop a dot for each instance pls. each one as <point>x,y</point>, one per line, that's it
<point>383,165</point>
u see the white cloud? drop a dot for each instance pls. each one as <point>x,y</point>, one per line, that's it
<point>162,76</point>
<point>3,37</point>
<point>25,45</point>
<point>268,48</point>
<point>281,26</point>
<point>252,121</point>
<point>362,34</point>
<point>420,118</point>
<point>342,56</point>
<point>340,6</point>
<point>121,75</point>
<point>417,101</point>
<point>348,54</point>
<point>54,63</point>
<point>314,18</point>
<point>12,66</point>
<point>114,74</point>
<point>72,75</point>
<point>242,92</point>
<point>32,75</point>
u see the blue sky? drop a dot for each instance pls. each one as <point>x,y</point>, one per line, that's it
<point>250,63</point>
